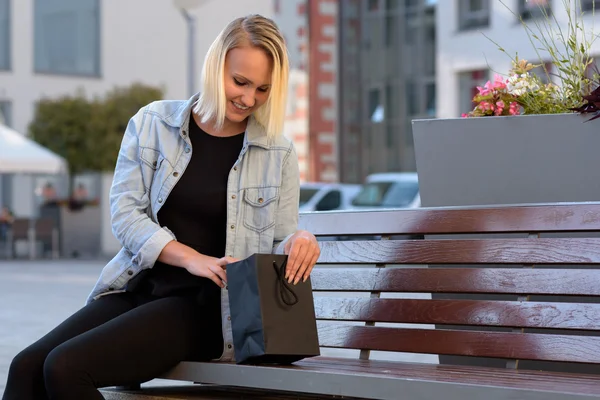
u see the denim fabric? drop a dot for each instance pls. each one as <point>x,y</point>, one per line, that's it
<point>262,195</point>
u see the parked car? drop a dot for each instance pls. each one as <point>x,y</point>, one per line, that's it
<point>389,190</point>
<point>321,196</point>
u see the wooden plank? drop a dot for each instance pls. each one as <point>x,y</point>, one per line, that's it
<point>566,217</point>
<point>461,312</point>
<point>581,282</point>
<point>509,345</point>
<point>470,251</point>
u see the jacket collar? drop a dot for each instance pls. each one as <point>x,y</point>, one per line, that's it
<point>255,133</point>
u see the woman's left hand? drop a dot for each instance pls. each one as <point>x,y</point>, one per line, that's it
<point>303,252</point>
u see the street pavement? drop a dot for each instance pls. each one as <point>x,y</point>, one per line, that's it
<point>35,296</point>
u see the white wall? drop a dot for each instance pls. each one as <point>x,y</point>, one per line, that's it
<point>459,51</point>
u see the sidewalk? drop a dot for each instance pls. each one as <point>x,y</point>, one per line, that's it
<point>36,296</point>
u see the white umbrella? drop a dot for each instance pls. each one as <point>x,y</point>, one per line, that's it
<point>19,154</point>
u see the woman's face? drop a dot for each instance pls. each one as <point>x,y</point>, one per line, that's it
<point>247,81</point>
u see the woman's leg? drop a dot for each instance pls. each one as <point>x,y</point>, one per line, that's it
<point>133,348</point>
<point>25,376</point>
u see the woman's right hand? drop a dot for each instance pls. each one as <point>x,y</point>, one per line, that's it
<point>210,267</point>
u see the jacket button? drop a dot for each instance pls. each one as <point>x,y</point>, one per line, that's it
<point>260,200</point>
<point>130,272</point>
<point>187,149</point>
<point>184,133</point>
<point>233,196</point>
<point>155,163</point>
<point>229,346</point>
<point>175,174</point>
<point>232,226</point>
<point>160,200</point>
<point>235,168</point>
<point>229,318</point>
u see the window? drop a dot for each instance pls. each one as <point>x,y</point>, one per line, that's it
<point>473,14</point>
<point>5,47</point>
<point>67,37</point>
<point>376,111</point>
<point>6,113</point>
<point>590,5</point>
<point>529,9</point>
<point>468,82</point>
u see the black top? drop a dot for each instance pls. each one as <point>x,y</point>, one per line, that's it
<point>195,211</point>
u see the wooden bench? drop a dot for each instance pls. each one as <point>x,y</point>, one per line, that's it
<point>529,281</point>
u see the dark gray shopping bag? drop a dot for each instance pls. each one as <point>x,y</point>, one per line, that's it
<point>272,321</point>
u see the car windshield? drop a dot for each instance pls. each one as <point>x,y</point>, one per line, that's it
<point>306,194</point>
<point>387,194</point>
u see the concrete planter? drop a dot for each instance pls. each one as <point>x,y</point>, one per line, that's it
<point>507,160</point>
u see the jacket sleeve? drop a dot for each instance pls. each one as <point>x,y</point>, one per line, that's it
<point>286,217</point>
<point>130,202</point>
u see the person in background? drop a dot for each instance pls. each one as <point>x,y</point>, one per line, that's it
<point>218,174</point>
<point>6,220</point>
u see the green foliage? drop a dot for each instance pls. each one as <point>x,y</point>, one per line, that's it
<point>88,133</point>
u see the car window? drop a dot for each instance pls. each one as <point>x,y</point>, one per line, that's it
<point>330,201</point>
<point>400,194</point>
<point>372,194</point>
<point>306,194</point>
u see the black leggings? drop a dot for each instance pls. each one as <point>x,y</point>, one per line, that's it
<point>119,339</point>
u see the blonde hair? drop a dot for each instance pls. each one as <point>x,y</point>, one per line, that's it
<point>256,31</point>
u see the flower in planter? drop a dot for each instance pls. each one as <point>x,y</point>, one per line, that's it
<point>569,50</point>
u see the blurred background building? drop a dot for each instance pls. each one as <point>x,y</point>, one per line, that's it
<point>386,79</point>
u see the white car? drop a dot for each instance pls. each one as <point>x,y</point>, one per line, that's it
<point>389,190</point>
<point>322,196</point>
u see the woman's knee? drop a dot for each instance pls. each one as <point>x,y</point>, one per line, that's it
<point>28,362</point>
<point>57,368</point>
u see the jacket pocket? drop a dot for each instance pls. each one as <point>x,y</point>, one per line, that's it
<point>259,207</point>
<point>151,161</point>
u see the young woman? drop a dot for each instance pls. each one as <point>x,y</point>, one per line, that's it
<point>198,184</point>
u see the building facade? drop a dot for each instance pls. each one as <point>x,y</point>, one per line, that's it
<point>387,73</point>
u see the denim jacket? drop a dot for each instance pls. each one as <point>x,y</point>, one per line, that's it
<point>262,196</point>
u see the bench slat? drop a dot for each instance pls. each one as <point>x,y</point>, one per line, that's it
<point>461,312</point>
<point>582,282</point>
<point>527,218</point>
<point>508,345</point>
<point>468,251</point>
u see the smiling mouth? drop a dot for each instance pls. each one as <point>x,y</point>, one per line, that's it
<point>240,107</point>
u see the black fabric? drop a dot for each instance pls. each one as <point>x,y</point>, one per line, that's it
<point>273,322</point>
<point>196,212</point>
<point>119,339</point>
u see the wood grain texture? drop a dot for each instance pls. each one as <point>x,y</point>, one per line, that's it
<point>552,381</point>
<point>524,346</point>
<point>566,217</point>
<point>470,251</point>
<point>582,282</point>
<point>461,312</point>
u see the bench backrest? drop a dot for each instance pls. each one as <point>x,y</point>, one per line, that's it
<point>528,280</point>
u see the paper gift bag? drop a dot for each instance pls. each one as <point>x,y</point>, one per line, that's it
<point>272,321</point>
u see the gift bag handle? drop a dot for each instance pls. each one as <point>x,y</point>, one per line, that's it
<point>284,285</point>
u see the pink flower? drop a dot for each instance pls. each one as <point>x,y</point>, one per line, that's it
<point>499,83</point>
<point>464,115</point>
<point>514,108</point>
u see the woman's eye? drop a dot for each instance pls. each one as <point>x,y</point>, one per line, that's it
<point>238,82</point>
<point>262,90</point>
